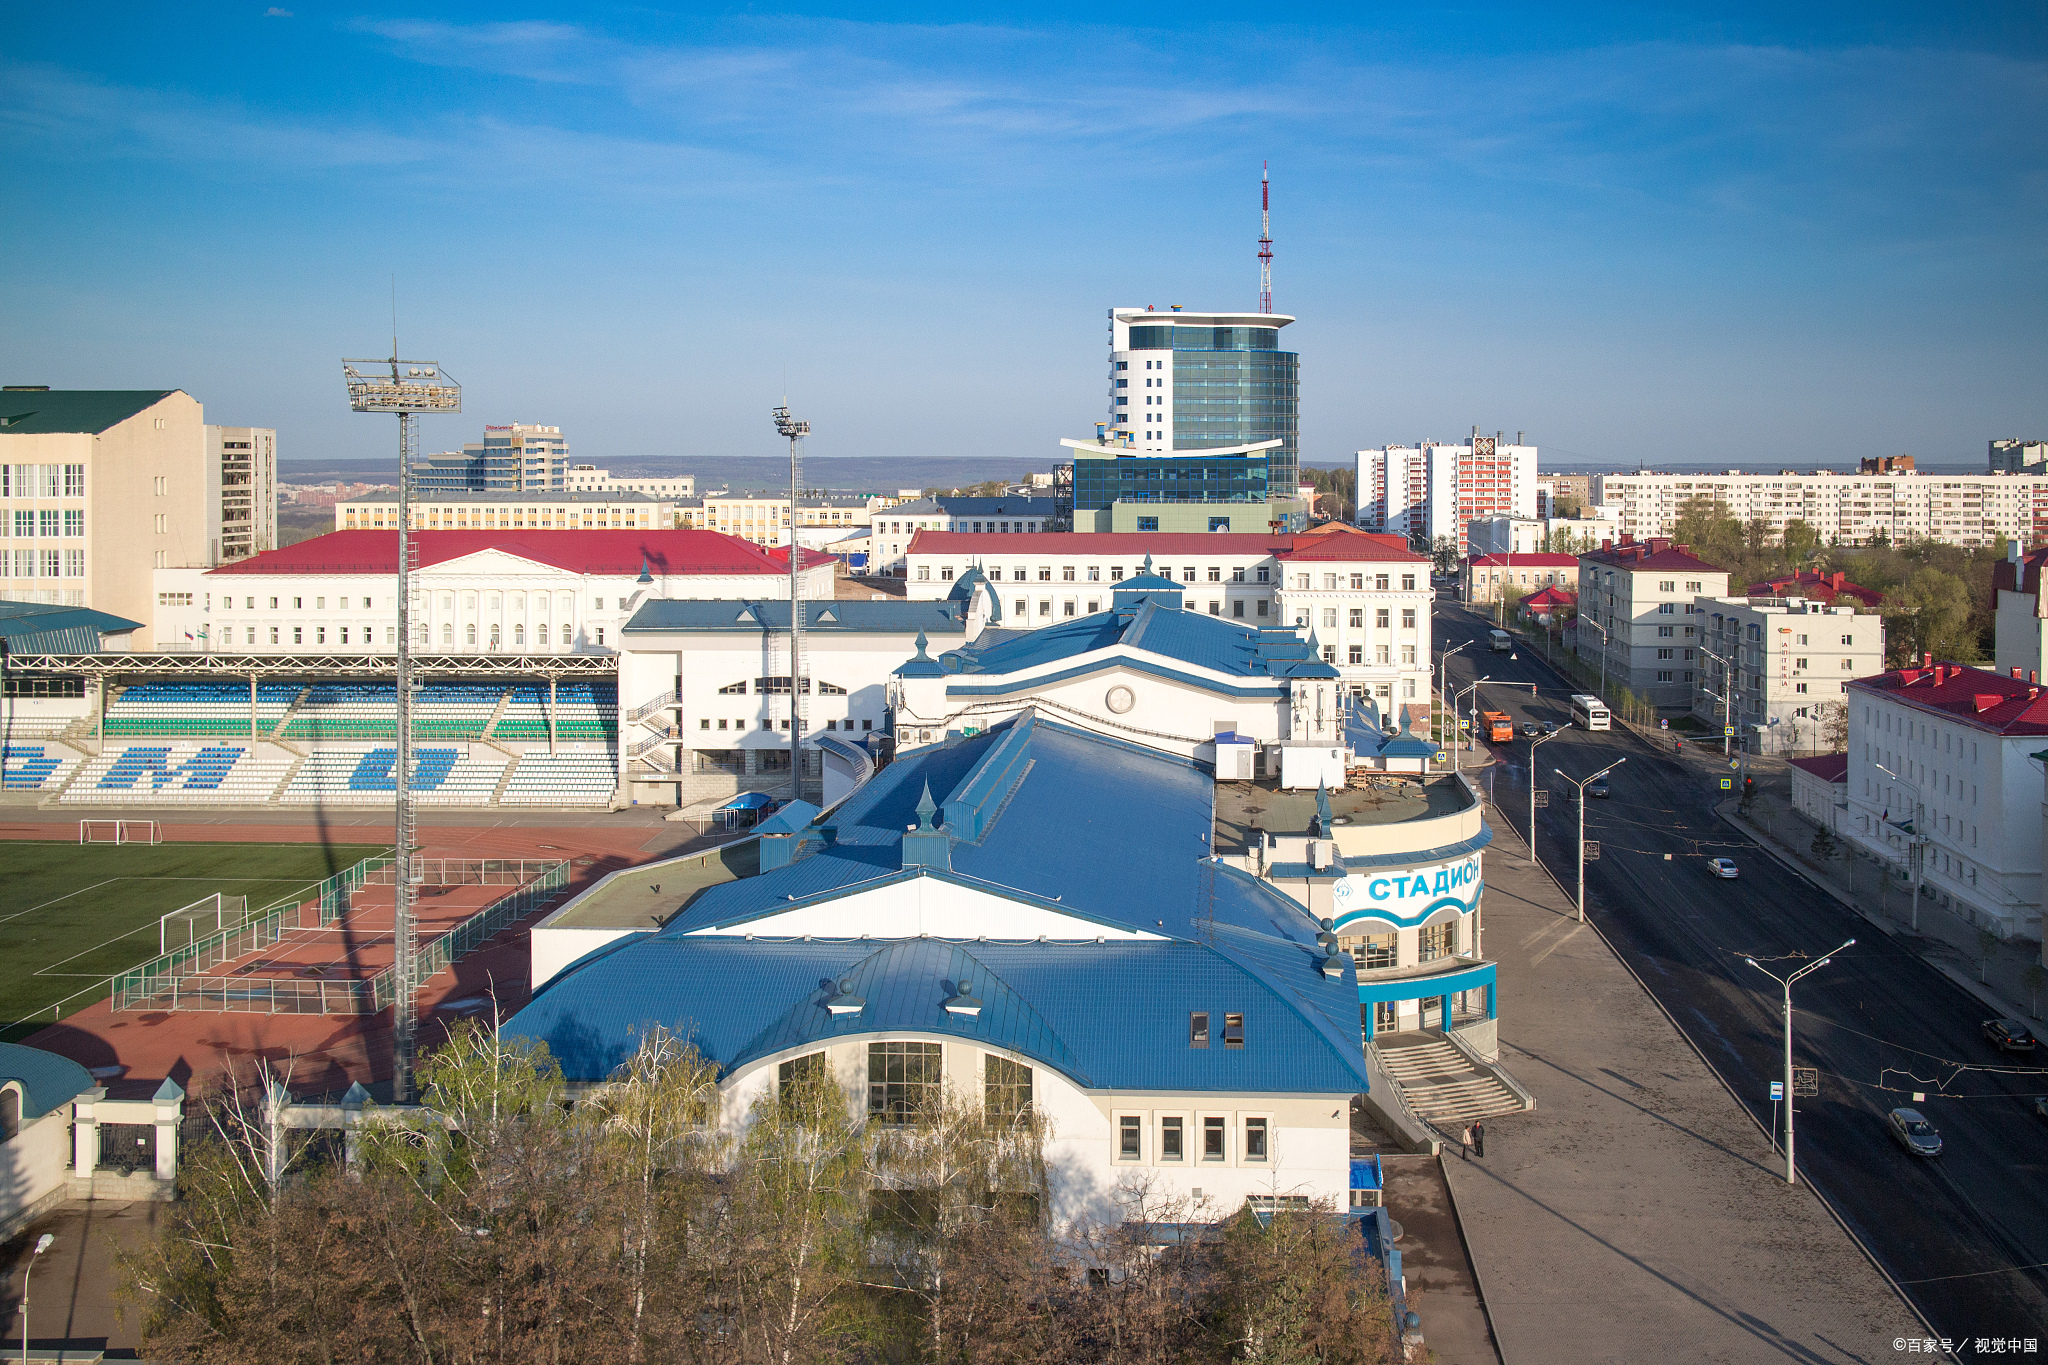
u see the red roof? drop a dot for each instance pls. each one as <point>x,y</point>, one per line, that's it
<point>1325,528</point>
<point>665,552</point>
<point>1551,596</point>
<point>1172,544</point>
<point>1997,702</point>
<point>812,558</point>
<point>1826,767</point>
<point>1820,587</point>
<point>1531,561</point>
<point>1655,553</point>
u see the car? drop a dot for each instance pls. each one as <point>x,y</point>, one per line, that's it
<point>1551,727</point>
<point>1914,1132</point>
<point>2041,1107</point>
<point>1724,867</point>
<point>1597,787</point>
<point>1530,729</point>
<point>2009,1035</point>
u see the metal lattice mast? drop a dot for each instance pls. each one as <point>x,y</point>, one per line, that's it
<point>1265,241</point>
<point>799,709</point>
<point>411,389</point>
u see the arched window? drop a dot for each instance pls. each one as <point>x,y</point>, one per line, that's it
<point>519,634</point>
<point>470,630</point>
<point>10,1113</point>
<point>447,632</point>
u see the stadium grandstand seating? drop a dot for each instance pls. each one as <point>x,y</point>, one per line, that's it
<point>570,777</point>
<point>177,773</point>
<point>361,775</point>
<point>452,710</point>
<point>583,711</point>
<point>197,707</point>
<point>34,767</point>
<point>346,710</point>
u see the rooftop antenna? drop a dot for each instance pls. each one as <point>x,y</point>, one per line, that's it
<point>412,388</point>
<point>1265,241</point>
<point>795,429</point>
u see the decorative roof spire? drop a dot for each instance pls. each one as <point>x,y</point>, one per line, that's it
<point>926,808</point>
<point>645,576</point>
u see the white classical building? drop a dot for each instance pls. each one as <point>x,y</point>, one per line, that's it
<point>1365,599</point>
<point>1944,782</point>
<point>478,592</point>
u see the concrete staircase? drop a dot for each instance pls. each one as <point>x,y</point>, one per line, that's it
<point>1441,1084</point>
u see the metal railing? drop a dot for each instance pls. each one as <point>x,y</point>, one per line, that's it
<point>475,931</point>
<point>646,709</point>
<point>642,745</point>
<point>463,871</point>
<point>1378,1068</point>
<point>1493,1069</point>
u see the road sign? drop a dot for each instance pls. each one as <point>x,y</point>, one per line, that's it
<point>1543,797</point>
<point>1777,1091</point>
<point>1663,724</point>
<point>1727,729</point>
<point>1727,784</point>
<point>1806,1082</point>
<point>1734,762</point>
<point>1592,850</point>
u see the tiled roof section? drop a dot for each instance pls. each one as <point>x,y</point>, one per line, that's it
<point>43,412</point>
<point>847,617</point>
<point>1826,767</point>
<point>665,552</point>
<point>1529,561</point>
<point>1819,587</point>
<point>32,628</point>
<point>1649,556</point>
<point>1190,637</point>
<point>1974,696</point>
<point>812,558</point>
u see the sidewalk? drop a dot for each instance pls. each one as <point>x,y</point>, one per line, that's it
<point>1441,1289</point>
<point>1635,1214</point>
<point>1948,942</point>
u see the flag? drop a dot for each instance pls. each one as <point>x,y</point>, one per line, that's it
<point>188,634</point>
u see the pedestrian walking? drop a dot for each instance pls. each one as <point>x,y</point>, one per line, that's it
<point>1479,1140</point>
<point>1465,1142</point>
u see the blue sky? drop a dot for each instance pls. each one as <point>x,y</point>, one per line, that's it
<point>1666,234</point>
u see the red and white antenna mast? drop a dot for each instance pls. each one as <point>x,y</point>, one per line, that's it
<point>1265,242</point>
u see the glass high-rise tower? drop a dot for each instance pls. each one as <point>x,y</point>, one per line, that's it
<point>1195,381</point>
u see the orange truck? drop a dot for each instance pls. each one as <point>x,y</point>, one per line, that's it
<point>1499,728</point>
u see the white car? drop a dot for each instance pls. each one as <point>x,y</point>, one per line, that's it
<point>1723,867</point>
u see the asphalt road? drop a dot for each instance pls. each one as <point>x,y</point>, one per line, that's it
<point>1965,1234</point>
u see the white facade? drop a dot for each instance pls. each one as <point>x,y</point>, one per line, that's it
<point>590,479</point>
<point>1792,661</point>
<point>1141,382</point>
<point>1957,509</point>
<point>1435,489</point>
<point>560,509</point>
<point>1972,794</point>
<point>1644,620</point>
<point>1507,535</point>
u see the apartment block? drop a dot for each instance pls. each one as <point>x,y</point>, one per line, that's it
<point>1434,490</point>
<point>1848,509</point>
<point>513,458</point>
<point>2009,455</point>
<point>558,509</point>
<point>100,487</point>
<point>1536,535</point>
<point>1638,616</point>
<point>1778,668</point>
<point>588,478</point>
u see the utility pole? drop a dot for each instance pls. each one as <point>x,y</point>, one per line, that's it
<point>1533,742</point>
<point>1581,785</point>
<point>1726,696</point>
<point>1443,692</point>
<point>795,429</point>
<point>1912,844</point>
<point>1791,1170</point>
<point>1474,690</point>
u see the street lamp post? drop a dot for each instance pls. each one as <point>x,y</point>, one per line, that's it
<point>1580,783</point>
<point>1791,1172</point>
<point>1443,688</point>
<point>1533,742</point>
<point>42,1245</point>
<point>1912,843</point>
<point>1586,620</point>
<point>1474,690</point>
<point>1726,696</point>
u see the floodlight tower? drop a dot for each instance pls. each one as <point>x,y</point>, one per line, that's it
<point>408,388</point>
<point>795,429</point>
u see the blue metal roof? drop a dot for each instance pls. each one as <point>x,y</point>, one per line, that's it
<point>1156,627</point>
<point>893,616</point>
<point>47,1080</point>
<point>37,628</point>
<point>1105,831</point>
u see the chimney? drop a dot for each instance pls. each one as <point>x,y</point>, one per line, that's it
<point>1927,661</point>
<point>1628,537</point>
<point>2015,672</point>
<point>1838,580</point>
<point>1607,545</point>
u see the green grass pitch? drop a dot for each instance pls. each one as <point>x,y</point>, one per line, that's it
<point>72,915</point>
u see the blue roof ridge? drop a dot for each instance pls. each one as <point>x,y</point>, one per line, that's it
<point>972,806</point>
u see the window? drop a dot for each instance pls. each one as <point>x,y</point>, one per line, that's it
<point>799,1071</point>
<point>1198,1029</point>
<point>1373,951</point>
<point>1408,657</point>
<point>1667,608</point>
<point>298,635</point>
<point>1233,1030</point>
<point>1265,576</point>
<point>1665,632</point>
<point>903,1078</point>
<point>1357,654</point>
<point>1212,1137</point>
<point>1692,585</point>
<point>1006,1089</point>
<point>1436,940</point>
<point>1357,618</point>
<point>1045,573</point>
<point>1407,582</point>
<point>1094,573</point>
<point>1799,688</point>
<point>1665,653</point>
<point>1381,618</point>
<point>1379,583</point>
<point>1668,585</point>
<point>924,573</point>
<point>1665,676</point>
<point>1329,618</point>
<point>1847,640</point>
<point>1329,654</point>
<point>1129,1137</point>
<point>1407,618</point>
<point>1171,1139</point>
<point>1254,1139</point>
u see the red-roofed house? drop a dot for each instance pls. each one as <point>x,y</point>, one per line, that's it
<point>1483,576</point>
<point>1942,774</point>
<point>1819,587</point>
<point>1547,605</point>
<point>1637,619</point>
<point>1366,598</point>
<point>479,592</point>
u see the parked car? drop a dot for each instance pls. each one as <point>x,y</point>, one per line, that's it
<point>1530,729</point>
<point>2009,1035</point>
<point>1914,1133</point>
<point>1724,867</point>
<point>1597,787</point>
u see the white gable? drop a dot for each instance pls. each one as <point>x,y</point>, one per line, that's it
<point>495,562</point>
<point>927,906</point>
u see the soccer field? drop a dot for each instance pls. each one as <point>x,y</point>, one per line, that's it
<point>73,915</point>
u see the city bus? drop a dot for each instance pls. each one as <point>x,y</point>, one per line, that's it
<point>1591,712</point>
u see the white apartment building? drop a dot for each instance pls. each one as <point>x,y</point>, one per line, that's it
<point>1958,509</point>
<point>763,517</point>
<point>1778,669</point>
<point>1638,616</point>
<point>896,525</point>
<point>1366,600</point>
<point>588,478</point>
<point>99,487</point>
<point>1942,782</point>
<point>559,509</point>
<point>1436,489</point>
<point>2010,455</point>
<point>477,592</point>
<point>1538,535</point>
<point>2021,614</point>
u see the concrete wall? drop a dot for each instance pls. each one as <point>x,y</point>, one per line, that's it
<point>34,1172</point>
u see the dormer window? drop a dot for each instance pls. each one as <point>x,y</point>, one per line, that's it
<point>1233,1030</point>
<point>1198,1029</point>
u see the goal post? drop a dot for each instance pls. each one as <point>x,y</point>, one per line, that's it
<point>120,832</point>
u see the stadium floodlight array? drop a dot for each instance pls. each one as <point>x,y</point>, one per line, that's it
<point>408,388</point>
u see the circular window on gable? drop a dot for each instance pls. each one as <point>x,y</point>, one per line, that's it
<point>1121,699</point>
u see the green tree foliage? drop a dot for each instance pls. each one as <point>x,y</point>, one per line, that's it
<point>1336,493</point>
<point>1930,614</point>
